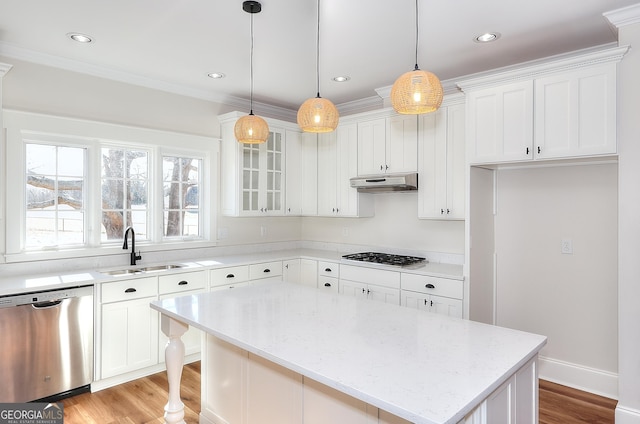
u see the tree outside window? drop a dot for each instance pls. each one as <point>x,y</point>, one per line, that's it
<point>55,213</point>
<point>181,197</point>
<point>125,188</point>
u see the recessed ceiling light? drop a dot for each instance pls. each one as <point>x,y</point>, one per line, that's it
<point>487,37</point>
<point>80,38</point>
<point>342,78</point>
<point>216,75</point>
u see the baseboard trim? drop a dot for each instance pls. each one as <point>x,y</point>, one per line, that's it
<point>599,382</point>
<point>627,416</point>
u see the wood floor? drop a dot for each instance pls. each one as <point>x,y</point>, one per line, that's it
<point>142,401</point>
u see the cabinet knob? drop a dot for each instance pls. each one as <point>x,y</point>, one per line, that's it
<point>430,286</point>
<point>441,211</point>
<point>327,284</point>
<point>337,210</point>
<point>327,270</point>
<point>130,290</point>
<point>183,283</point>
<point>448,211</point>
<point>230,276</point>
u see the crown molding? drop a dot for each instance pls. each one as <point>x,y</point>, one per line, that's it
<point>4,68</point>
<point>625,16</point>
<point>448,87</point>
<point>11,51</point>
<point>536,68</point>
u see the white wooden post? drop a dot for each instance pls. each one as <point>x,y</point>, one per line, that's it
<point>174,360</point>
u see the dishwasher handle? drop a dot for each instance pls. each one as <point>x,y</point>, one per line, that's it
<point>46,305</point>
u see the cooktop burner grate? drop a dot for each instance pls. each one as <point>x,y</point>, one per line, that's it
<point>385,258</point>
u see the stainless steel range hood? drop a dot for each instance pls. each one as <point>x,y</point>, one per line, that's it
<point>385,183</point>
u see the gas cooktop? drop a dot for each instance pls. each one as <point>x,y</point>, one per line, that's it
<point>386,259</point>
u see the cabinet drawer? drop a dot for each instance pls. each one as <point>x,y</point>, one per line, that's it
<point>265,270</point>
<point>184,281</point>
<point>328,283</point>
<point>329,269</point>
<point>129,289</point>
<point>231,275</point>
<point>432,285</point>
<point>379,277</point>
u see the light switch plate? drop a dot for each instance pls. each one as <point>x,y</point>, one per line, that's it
<point>566,247</point>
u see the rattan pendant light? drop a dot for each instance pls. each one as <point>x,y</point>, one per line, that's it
<point>251,129</point>
<point>318,115</point>
<point>416,91</point>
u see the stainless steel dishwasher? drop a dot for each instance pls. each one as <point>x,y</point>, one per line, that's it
<point>46,344</point>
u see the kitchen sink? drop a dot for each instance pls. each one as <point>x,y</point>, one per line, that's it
<point>159,268</point>
<point>132,271</point>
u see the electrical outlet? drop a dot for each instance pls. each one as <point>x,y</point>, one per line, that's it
<point>566,247</point>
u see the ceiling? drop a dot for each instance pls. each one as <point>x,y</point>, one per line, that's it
<point>174,44</point>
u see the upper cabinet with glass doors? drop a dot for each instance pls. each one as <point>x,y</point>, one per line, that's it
<point>252,175</point>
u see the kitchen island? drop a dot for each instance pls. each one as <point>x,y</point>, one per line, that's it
<point>281,352</point>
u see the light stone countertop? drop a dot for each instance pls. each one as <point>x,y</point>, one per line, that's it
<point>426,368</point>
<point>59,280</point>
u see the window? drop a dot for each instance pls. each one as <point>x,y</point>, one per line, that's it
<point>125,193</point>
<point>54,196</point>
<point>74,186</point>
<point>181,198</point>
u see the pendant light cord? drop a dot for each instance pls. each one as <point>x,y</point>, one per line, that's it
<point>251,69</point>
<point>318,52</point>
<point>416,36</point>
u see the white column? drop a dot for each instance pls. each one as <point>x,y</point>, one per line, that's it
<point>174,359</point>
<point>627,21</point>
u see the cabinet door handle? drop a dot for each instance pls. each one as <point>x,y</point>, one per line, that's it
<point>230,276</point>
<point>266,270</point>
<point>327,270</point>
<point>327,284</point>
<point>130,290</point>
<point>538,149</point>
<point>448,211</point>
<point>430,286</point>
<point>527,151</point>
<point>441,211</point>
<point>386,167</point>
<point>183,283</point>
<point>381,167</point>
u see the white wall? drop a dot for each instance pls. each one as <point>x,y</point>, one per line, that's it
<point>395,225</point>
<point>570,298</point>
<point>628,408</point>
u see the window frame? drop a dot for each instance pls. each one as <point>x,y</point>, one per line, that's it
<point>27,127</point>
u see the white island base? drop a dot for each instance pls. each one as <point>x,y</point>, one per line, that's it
<point>240,387</point>
<point>281,353</point>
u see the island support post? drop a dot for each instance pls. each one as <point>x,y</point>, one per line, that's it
<point>174,359</point>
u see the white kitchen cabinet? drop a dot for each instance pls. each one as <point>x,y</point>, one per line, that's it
<point>291,270</point>
<point>183,284</point>
<point>500,123</point>
<point>337,163</point>
<point>253,176</point>
<point>265,271</point>
<point>328,275</point>
<point>388,145</point>
<point>323,404</point>
<point>432,294</point>
<point>228,277</point>
<point>375,284</point>
<point>309,272</point>
<point>129,327</point>
<point>301,197</point>
<point>441,164</point>
<point>575,113</point>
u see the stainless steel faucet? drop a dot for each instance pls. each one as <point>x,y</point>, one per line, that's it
<point>125,246</point>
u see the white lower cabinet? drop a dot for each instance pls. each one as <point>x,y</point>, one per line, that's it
<point>370,283</point>
<point>266,271</point>
<point>184,284</point>
<point>300,271</point>
<point>328,274</point>
<point>239,387</point>
<point>229,277</point>
<point>432,294</point>
<point>129,327</point>
<point>514,402</point>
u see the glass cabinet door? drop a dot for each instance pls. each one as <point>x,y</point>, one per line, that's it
<point>250,177</point>
<point>274,172</point>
